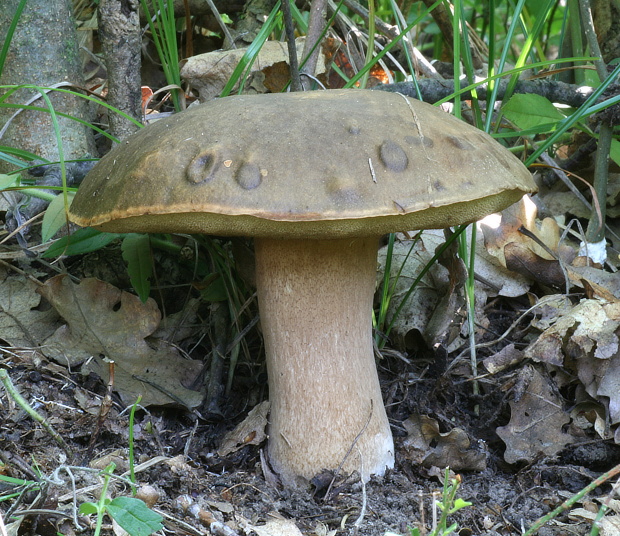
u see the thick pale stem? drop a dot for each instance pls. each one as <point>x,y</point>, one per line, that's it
<point>315,299</point>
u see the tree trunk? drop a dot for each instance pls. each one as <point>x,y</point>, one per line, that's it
<point>43,51</point>
<point>121,43</point>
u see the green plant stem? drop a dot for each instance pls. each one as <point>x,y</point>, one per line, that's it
<point>502,62</point>
<point>132,461</point>
<point>588,107</point>
<point>456,47</point>
<point>389,46</point>
<point>35,192</point>
<point>101,504</point>
<point>572,500</point>
<point>165,40</point>
<point>471,313</point>
<point>23,404</point>
<point>245,63</point>
<point>596,226</point>
<point>9,34</point>
<point>576,42</point>
<point>422,273</point>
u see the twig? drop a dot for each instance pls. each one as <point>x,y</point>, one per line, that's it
<point>220,21</point>
<point>436,90</point>
<point>315,30</point>
<point>572,500</point>
<point>292,49</point>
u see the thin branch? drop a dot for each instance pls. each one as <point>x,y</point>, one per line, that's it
<point>292,49</point>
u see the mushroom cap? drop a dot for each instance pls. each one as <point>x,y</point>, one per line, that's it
<point>321,164</point>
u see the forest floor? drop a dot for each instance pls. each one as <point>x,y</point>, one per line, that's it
<point>180,474</point>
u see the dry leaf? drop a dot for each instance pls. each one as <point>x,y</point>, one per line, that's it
<point>424,312</point>
<point>508,356</point>
<point>584,339</point>
<point>489,269</point>
<point>586,330</point>
<point>415,316</point>
<point>277,526</point>
<point>427,446</point>
<point>517,251</point>
<point>521,254</point>
<point>23,322</point>
<point>536,421</point>
<point>608,526</point>
<point>103,321</point>
<point>249,432</point>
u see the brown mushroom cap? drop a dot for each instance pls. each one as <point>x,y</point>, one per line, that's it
<point>323,164</point>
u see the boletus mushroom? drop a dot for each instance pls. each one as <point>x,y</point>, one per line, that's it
<point>316,178</point>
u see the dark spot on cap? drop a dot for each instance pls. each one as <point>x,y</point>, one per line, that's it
<point>354,129</point>
<point>438,185</point>
<point>419,140</point>
<point>393,156</point>
<point>342,191</point>
<point>249,176</point>
<point>202,168</point>
<point>460,143</point>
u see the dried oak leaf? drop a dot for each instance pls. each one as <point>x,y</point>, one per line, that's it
<point>23,322</point>
<point>521,254</point>
<point>536,421</point>
<point>585,340</point>
<point>407,260</point>
<point>104,321</point>
<point>584,331</point>
<point>427,446</point>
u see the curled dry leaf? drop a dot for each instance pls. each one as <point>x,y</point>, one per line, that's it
<point>106,322</point>
<point>427,446</point>
<point>249,432</point>
<point>418,311</point>
<point>508,356</point>
<point>536,421</point>
<point>522,254</point>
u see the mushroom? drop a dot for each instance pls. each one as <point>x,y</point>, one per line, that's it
<point>316,178</point>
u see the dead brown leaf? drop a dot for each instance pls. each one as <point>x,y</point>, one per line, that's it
<point>249,432</point>
<point>23,322</point>
<point>105,322</point>
<point>536,421</point>
<point>427,446</point>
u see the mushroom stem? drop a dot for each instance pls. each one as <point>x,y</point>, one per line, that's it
<point>315,299</point>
